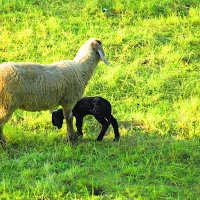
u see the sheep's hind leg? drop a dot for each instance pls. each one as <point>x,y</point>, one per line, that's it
<point>70,130</point>
<point>2,138</point>
<point>5,114</point>
<point>105,125</point>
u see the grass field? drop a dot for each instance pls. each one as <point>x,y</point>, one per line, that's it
<point>152,82</point>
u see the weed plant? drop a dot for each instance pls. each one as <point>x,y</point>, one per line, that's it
<point>152,82</point>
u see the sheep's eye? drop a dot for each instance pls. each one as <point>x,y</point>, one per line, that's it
<point>99,42</point>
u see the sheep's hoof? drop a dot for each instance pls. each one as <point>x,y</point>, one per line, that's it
<point>73,138</point>
<point>67,139</point>
<point>3,144</point>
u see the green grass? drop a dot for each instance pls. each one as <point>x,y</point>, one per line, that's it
<point>152,82</point>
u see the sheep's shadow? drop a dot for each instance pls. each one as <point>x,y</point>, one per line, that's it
<point>129,131</point>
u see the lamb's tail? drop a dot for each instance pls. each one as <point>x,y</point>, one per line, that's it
<point>115,127</point>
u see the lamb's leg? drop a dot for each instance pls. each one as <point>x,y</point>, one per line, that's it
<point>105,125</point>
<point>70,130</point>
<point>115,127</point>
<point>79,125</point>
<point>2,138</point>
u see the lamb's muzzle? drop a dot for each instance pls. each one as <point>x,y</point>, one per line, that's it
<point>36,87</point>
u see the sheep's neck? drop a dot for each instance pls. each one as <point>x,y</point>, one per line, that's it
<point>87,68</point>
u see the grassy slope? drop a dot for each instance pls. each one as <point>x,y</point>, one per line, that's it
<point>152,83</point>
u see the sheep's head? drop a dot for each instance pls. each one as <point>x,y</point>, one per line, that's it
<point>89,47</point>
<point>97,45</point>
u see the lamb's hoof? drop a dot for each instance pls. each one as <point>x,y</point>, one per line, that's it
<point>98,140</point>
<point>116,139</point>
<point>79,135</point>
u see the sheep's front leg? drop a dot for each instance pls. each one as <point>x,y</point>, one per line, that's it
<point>2,138</point>
<point>70,130</point>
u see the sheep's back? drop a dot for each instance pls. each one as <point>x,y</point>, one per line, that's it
<point>37,87</point>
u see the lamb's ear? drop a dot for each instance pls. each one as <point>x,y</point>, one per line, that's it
<point>102,56</point>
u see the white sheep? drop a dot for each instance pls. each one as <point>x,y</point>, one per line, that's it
<point>36,87</point>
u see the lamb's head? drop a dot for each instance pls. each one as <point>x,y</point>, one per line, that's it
<point>91,47</point>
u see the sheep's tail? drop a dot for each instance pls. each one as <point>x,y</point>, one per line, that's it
<point>115,127</point>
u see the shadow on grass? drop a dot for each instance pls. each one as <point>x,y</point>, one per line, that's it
<point>42,139</point>
<point>132,136</point>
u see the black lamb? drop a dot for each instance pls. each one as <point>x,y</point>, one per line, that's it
<point>97,106</point>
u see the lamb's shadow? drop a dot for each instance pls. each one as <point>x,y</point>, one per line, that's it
<point>127,130</point>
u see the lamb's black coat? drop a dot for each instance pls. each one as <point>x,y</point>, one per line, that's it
<point>97,106</point>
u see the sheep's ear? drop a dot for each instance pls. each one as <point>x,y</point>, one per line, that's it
<point>102,56</point>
